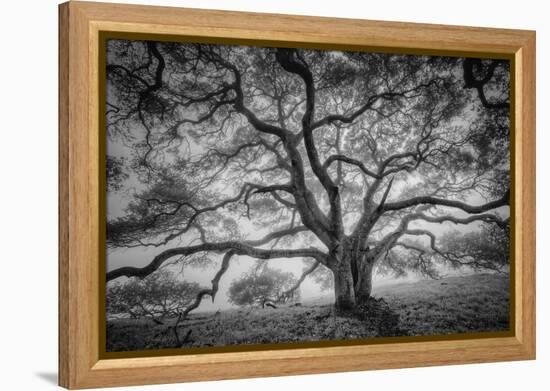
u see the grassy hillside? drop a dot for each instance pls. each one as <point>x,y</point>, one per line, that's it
<point>435,307</point>
<point>453,305</point>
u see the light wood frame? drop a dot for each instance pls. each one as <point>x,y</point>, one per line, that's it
<point>80,24</point>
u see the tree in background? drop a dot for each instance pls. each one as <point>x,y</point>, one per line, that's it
<point>483,250</point>
<point>158,296</point>
<point>341,159</point>
<point>266,286</point>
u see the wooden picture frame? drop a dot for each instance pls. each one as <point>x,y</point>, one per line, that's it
<point>80,226</point>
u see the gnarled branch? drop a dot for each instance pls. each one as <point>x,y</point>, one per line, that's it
<point>237,247</point>
<point>426,200</point>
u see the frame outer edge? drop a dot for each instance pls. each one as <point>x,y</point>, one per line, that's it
<point>529,194</point>
<point>77,366</point>
<point>64,367</point>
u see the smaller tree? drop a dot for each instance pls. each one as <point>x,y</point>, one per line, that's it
<point>487,249</point>
<point>158,296</point>
<point>266,286</point>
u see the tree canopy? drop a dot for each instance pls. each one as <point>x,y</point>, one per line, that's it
<point>158,296</point>
<point>338,158</point>
<point>258,287</point>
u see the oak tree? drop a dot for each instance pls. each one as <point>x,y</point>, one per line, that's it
<point>159,296</point>
<point>264,286</point>
<point>338,159</point>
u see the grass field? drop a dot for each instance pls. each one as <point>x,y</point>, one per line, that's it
<point>477,303</point>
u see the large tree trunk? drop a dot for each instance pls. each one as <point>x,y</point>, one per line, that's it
<point>363,283</point>
<point>344,292</point>
<point>352,280</point>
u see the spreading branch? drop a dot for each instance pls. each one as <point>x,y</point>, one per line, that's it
<point>237,247</point>
<point>426,200</point>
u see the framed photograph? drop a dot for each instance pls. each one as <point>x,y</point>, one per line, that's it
<point>247,195</point>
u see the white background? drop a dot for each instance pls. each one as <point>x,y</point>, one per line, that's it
<point>28,217</point>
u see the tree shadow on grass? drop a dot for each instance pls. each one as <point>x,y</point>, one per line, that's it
<point>378,317</point>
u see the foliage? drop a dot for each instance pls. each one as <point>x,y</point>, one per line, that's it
<point>158,296</point>
<point>116,173</point>
<point>486,248</point>
<point>482,250</point>
<point>260,287</point>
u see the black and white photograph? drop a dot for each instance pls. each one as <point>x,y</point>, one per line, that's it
<point>261,195</point>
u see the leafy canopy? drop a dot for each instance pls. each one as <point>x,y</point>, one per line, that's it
<point>257,288</point>
<point>160,295</point>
